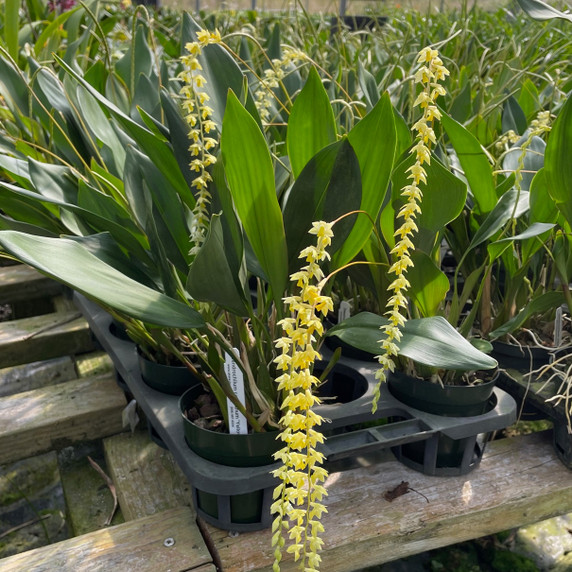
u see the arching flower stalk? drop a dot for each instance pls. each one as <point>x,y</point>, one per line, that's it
<point>431,72</point>
<point>298,497</point>
<point>273,77</point>
<point>202,128</point>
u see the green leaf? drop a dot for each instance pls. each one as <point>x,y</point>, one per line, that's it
<point>221,73</point>
<point>475,163</point>
<point>513,117</point>
<point>429,341</point>
<point>533,159</point>
<point>311,125</point>
<point>68,262</point>
<point>512,204</point>
<point>539,10</point>
<point>376,163</point>
<point>138,59</point>
<point>328,187</point>
<point>210,276</point>
<point>528,98</point>
<point>429,285</point>
<point>53,29</point>
<point>250,175</point>
<point>11,26</point>
<point>544,303</point>
<point>461,107</point>
<point>368,86</point>
<point>102,127</point>
<point>536,229</point>
<point>542,207</point>
<point>157,150</point>
<point>557,163</point>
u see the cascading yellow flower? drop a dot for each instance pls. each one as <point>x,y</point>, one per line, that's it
<point>431,72</point>
<point>198,116</point>
<point>298,497</point>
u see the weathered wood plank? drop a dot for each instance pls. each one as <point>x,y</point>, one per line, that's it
<point>20,282</point>
<point>51,418</point>
<point>146,477</point>
<point>137,545</point>
<point>43,337</point>
<point>89,500</point>
<point>520,481</point>
<point>29,376</point>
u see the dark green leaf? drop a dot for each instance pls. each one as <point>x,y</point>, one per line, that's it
<point>311,125</point>
<point>68,262</point>
<point>376,163</point>
<point>429,341</point>
<point>475,163</point>
<point>250,176</point>
<point>210,276</point>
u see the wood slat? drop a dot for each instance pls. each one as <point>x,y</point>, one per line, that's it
<point>34,375</point>
<point>53,417</point>
<point>146,477</point>
<point>43,337</point>
<point>138,545</point>
<point>20,282</point>
<point>520,481</point>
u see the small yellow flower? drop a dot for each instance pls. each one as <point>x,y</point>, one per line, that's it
<point>428,75</point>
<point>301,476</point>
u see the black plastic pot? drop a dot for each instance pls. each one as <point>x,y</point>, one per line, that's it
<point>448,400</point>
<point>444,454</point>
<point>522,358</point>
<point>171,379</point>
<point>343,385</point>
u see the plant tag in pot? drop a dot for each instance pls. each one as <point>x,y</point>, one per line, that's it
<point>236,420</point>
<point>344,311</point>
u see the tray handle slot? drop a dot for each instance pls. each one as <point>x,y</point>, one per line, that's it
<point>373,439</point>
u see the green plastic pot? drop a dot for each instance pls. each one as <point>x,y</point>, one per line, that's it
<point>447,401</point>
<point>170,379</point>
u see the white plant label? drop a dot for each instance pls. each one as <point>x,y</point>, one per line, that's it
<point>236,420</point>
<point>344,311</point>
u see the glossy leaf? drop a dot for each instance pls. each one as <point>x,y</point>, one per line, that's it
<point>250,176</point>
<point>376,163</point>
<point>211,277</point>
<point>68,262</point>
<point>541,304</point>
<point>157,150</point>
<point>476,166</point>
<point>536,229</point>
<point>513,117</point>
<point>533,159</point>
<point>512,204</point>
<point>558,166</point>
<point>311,125</point>
<point>539,10</point>
<point>328,187</point>
<point>429,285</point>
<point>429,341</point>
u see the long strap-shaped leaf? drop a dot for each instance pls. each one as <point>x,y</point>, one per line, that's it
<point>374,140</point>
<point>248,167</point>
<point>558,163</point>
<point>68,262</point>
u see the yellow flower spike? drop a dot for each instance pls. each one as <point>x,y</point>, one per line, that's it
<point>428,75</point>
<point>201,124</point>
<point>301,476</point>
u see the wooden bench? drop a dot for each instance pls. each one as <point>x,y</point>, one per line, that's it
<point>519,481</point>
